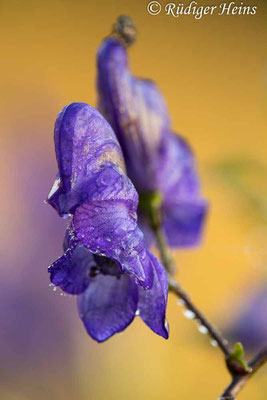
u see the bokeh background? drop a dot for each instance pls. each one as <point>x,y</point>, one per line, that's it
<point>212,73</point>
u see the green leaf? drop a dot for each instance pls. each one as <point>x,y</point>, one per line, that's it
<point>236,363</point>
<point>238,352</point>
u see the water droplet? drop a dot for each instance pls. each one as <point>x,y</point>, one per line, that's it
<point>166,325</point>
<point>214,343</point>
<point>54,288</point>
<point>189,314</point>
<point>137,313</point>
<point>50,284</point>
<point>55,187</point>
<point>181,302</point>
<point>203,329</point>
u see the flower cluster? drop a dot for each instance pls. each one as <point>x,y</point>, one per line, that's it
<point>106,260</point>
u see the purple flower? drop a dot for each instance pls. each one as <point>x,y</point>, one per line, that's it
<point>157,160</point>
<point>105,262</point>
<point>250,326</point>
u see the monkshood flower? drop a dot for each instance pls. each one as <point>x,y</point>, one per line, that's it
<point>105,260</point>
<point>250,326</point>
<point>157,160</point>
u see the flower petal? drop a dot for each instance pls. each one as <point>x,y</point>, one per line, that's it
<point>152,303</point>
<point>249,324</point>
<point>184,209</point>
<point>156,159</point>
<point>136,111</point>
<point>84,142</point>
<point>109,228</point>
<point>71,272</point>
<point>108,305</point>
<point>184,222</point>
<point>178,173</point>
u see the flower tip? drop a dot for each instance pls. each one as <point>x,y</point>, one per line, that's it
<point>125,29</point>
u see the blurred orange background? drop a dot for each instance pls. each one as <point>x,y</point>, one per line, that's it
<point>212,73</point>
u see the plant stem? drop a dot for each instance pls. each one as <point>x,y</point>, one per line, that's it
<point>165,255</point>
<point>240,375</point>
<point>199,316</point>
<point>239,381</point>
<point>179,292</point>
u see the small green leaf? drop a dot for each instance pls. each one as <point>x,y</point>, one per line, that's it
<point>238,351</point>
<point>236,363</point>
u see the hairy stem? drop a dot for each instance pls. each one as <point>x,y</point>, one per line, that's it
<point>240,372</point>
<point>179,292</point>
<point>200,317</point>
<point>239,381</point>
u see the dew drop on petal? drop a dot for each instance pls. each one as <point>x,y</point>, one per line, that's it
<point>166,325</point>
<point>55,187</point>
<point>189,314</point>
<point>181,302</point>
<point>54,288</point>
<point>137,313</point>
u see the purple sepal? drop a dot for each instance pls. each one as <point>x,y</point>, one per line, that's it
<point>84,144</point>
<point>184,222</point>
<point>109,228</point>
<point>152,303</point>
<point>108,305</point>
<point>136,111</point>
<point>71,272</point>
<point>250,324</point>
<point>156,159</point>
<point>184,209</point>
